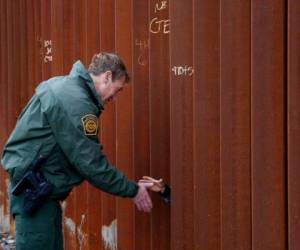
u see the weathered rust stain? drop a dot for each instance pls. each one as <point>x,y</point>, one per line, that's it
<point>109,235</point>
<point>4,213</point>
<point>81,236</point>
<point>4,220</point>
<point>70,225</point>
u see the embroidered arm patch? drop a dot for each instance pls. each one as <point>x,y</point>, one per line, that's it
<point>90,124</point>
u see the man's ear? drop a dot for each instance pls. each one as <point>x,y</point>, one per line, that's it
<point>108,76</point>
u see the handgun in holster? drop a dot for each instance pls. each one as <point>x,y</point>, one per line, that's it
<point>37,189</point>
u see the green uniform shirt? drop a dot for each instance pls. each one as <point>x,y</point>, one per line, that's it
<point>61,120</point>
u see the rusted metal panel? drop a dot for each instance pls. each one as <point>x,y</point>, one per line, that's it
<point>159,94</point>
<point>93,216</point>
<point>46,45</point>
<point>207,125</point>
<point>235,130</point>
<point>12,100</point>
<point>192,101</point>
<point>81,217</point>
<point>85,238</point>
<point>293,131</point>
<point>4,215</point>
<point>73,229</point>
<point>268,125</point>
<point>141,135</point>
<point>15,56</point>
<point>181,125</point>
<point>124,127</point>
<point>23,53</point>
<point>108,128</point>
<point>31,40</point>
<point>37,43</point>
<point>57,36</point>
<point>2,112</point>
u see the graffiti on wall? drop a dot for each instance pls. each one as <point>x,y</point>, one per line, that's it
<point>158,25</point>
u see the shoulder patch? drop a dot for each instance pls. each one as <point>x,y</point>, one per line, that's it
<point>90,124</point>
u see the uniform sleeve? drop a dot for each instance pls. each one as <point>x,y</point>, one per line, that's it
<point>84,154</point>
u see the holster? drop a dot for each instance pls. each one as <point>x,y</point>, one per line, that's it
<point>37,189</point>
<point>35,196</point>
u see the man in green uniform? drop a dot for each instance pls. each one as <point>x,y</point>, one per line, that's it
<point>60,122</point>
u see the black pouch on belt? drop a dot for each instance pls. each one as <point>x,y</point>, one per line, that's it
<point>37,188</point>
<point>34,197</point>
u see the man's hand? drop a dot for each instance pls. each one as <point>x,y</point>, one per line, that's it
<point>142,199</point>
<point>153,184</point>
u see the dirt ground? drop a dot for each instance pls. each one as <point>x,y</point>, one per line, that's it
<point>7,242</point>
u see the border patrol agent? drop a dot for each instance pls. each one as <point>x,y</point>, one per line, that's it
<point>61,122</point>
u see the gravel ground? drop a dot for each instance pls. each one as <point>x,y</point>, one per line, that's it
<point>7,242</point>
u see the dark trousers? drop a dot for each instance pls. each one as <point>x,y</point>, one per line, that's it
<point>41,231</point>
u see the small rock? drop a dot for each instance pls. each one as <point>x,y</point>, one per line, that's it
<point>7,242</point>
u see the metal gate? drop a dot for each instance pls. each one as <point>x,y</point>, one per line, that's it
<point>213,108</point>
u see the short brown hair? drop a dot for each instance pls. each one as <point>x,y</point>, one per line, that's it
<point>103,62</point>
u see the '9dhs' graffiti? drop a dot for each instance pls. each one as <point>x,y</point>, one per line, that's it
<point>183,70</point>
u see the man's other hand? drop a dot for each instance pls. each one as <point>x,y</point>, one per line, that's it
<point>157,185</point>
<point>142,199</point>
